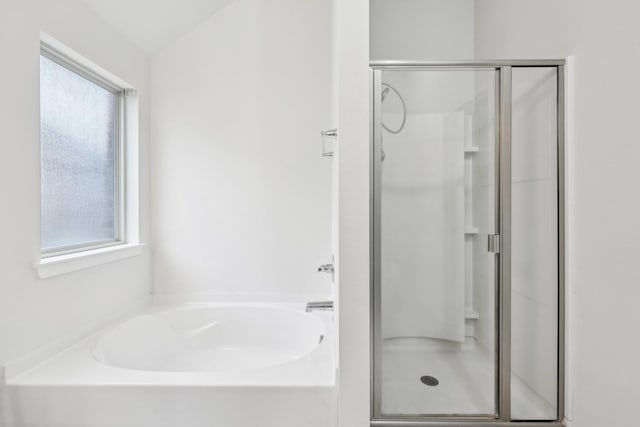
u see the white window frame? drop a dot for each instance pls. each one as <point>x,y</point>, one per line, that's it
<point>60,260</point>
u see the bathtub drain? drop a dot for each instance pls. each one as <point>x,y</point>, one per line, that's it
<point>429,380</point>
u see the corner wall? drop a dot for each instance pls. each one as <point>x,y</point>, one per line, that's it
<point>242,196</point>
<point>36,312</point>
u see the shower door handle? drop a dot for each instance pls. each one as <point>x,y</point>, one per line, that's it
<point>493,243</point>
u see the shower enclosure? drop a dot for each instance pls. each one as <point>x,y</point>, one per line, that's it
<point>467,243</point>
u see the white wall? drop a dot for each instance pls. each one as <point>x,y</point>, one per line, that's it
<point>35,312</point>
<point>241,195</point>
<point>422,191</point>
<point>421,30</point>
<point>352,55</point>
<point>524,29</point>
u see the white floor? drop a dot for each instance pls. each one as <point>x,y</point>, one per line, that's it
<point>466,380</point>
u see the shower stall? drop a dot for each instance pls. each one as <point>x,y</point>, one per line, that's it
<point>467,243</point>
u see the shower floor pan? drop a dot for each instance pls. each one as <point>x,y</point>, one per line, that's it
<point>464,374</point>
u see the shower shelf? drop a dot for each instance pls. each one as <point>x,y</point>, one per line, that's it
<point>469,150</point>
<point>470,230</point>
<point>470,313</point>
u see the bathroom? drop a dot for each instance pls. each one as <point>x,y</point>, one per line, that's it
<point>264,207</point>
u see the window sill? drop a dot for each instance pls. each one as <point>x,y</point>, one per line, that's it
<point>61,264</point>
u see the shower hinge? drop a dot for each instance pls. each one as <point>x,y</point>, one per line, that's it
<point>494,243</point>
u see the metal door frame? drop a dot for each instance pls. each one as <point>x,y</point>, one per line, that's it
<point>502,417</point>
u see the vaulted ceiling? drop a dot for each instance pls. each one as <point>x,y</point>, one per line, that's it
<point>154,24</point>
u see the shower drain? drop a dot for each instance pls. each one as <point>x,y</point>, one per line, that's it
<point>429,380</point>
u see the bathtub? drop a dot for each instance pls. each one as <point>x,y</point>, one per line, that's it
<point>237,339</point>
<point>197,363</point>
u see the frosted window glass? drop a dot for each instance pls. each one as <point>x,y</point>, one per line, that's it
<point>78,151</point>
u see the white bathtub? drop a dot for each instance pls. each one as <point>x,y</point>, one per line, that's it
<point>230,364</point>
<point>211,339</point>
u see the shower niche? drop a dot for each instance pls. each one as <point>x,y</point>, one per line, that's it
<point>467,239</point>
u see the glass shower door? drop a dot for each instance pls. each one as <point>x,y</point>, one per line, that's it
<point>434,160</point>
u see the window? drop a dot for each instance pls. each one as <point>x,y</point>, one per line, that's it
<point>81,157</point>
